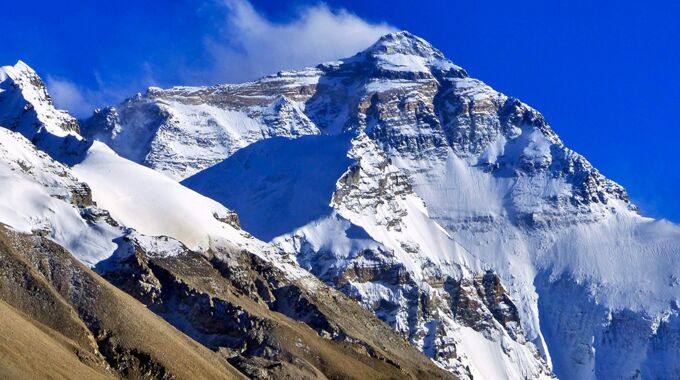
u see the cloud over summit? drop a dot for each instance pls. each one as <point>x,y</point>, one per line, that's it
<point>250,45</point>
<point>237,44</point>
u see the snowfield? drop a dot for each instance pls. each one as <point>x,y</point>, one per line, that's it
<point>148,201</point>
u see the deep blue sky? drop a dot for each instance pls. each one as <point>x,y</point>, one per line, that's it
<point>606,74</point>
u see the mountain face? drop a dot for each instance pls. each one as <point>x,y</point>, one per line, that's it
<point>380,216</point>
<point>451,211</point>
<point>204,297</point>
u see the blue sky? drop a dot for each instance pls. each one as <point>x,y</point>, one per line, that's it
<point>604,73</point>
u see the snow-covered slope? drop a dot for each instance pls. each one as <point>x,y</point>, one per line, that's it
<point>148,201</point>
<point>446,178</point>
<point>87,198</point>
<point>156,206</point>
<point>41,196</point>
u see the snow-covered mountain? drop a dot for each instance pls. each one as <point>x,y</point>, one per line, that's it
<point>452,211</point>
<point>180,254</point>
<point>78,192</point>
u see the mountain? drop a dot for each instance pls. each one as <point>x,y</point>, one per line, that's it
<point>204,297</point>
<point>453,212</point>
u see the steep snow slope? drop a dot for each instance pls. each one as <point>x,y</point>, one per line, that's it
<point>41,196</point>
<point>148,201</point>
<point>447,178</point>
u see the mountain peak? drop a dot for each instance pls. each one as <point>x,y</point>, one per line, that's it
<point>18,70</point>
<point>404,42</point>
<point>26,79</point>
<point>26,107</point>
<point>405,52</point>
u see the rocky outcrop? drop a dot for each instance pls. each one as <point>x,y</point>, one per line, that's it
<point>265,325</point>
<point>95,328</point>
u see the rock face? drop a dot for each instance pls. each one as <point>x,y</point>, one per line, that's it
<point>433,178</point>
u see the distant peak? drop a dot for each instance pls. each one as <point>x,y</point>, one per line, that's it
<point>154,90</point>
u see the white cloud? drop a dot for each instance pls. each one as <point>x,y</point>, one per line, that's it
<point>67,95</point>
<point>251,45</point>
<point>247,46</point>
<point>82,101</point>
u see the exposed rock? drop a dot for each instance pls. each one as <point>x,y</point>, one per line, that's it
<point>244,308</point>
<point>92,324</point>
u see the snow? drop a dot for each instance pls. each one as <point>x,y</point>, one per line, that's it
<point>371,294</point>
<point>488,359</point>
<point>282,189</point>
<point>636,273</point>
<point>486,362</point>
<point>183,138</point>
<point>501,192</point>
<point>616,250</point>
<point>280,185</point>
<point>404,52</point>
<point>157,206</point>
<point>333,234</point>
<point>305,77</point>
<point>148,201</point>
<point>383,85</point>
<point>33,187</point>
<point>162,246</point>
<point>403,62</point>
<point>156,211</point>
<point>420,233</point>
